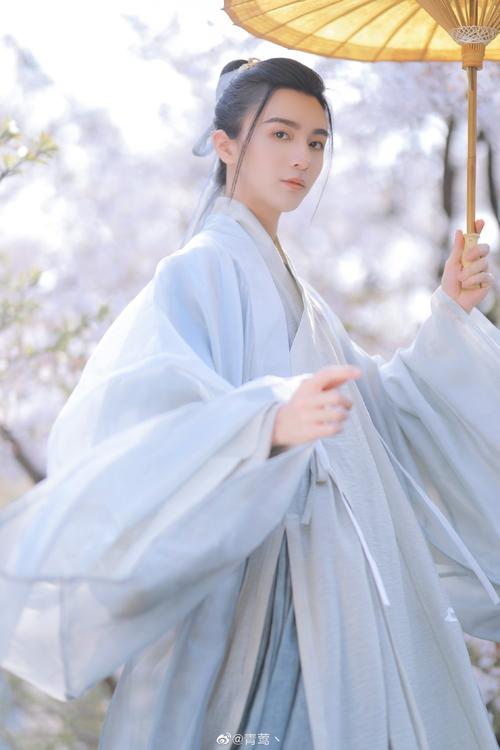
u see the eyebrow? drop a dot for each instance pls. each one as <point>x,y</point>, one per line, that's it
<point>292,124</point>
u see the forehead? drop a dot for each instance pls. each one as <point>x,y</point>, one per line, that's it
<point>304,109</point>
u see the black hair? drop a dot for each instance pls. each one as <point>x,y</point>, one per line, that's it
<point>254,85</point>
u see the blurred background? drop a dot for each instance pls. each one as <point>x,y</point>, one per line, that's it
<point>100,104</point>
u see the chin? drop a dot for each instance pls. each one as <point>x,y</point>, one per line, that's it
<point>290,208</point>
<point>293,203</point>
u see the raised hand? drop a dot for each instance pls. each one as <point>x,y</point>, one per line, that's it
<point>317,408</point>
<point>459,281</point>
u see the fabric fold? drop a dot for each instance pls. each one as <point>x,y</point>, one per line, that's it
<point>99,559</point>
<point>443,438</point>
<point>445,389</point>
<point>154,540</point>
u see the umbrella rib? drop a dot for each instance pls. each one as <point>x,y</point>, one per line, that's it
<point>342,15</point>
<point>483,13</point>
<point>442,11</point>
<point>459,12</point>
<point>429,40</point>
<point>260,14</point>
<point>293,2</point>
<point>364,25</point>
<point>495,18</point>
<point>395,31</point>
<point>494,21</point>
<point>329,4</point>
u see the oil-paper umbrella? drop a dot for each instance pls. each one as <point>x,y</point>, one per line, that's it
<point>381,30</point>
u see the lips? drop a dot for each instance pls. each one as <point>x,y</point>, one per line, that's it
<point>295,181</point>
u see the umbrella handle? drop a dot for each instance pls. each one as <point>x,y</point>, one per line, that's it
<point>472,55</point>
<point>471,239</point>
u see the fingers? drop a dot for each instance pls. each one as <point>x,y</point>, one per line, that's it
<point>486,279</point>
<point>476,271</point>
<point>479,225</point>
<point>459,241</point>
<point>478,251</point>
<point>318,408</point>
<point>331,411</point>
<point>330,377</point>
<point>329,414</point>
<point>332,424</point>
<point>476,266</point>
<point>458,247</point>
<point>330,398</point>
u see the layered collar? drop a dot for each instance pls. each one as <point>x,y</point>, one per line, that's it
<point>279,265</point>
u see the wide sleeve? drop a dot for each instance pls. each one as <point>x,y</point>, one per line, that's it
<point>159,481</point>
<point>445,392</point>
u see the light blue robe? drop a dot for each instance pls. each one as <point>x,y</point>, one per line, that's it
<point>276,703</point>
<point>155,539</point>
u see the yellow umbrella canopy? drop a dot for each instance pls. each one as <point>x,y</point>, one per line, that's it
<point>382,30</point>
<point>369,30</point>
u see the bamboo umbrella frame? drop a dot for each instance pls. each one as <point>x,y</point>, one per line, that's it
<point>473,31</point>
<point>376,31</point>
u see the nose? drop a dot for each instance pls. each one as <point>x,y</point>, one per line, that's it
<point>301,156</point>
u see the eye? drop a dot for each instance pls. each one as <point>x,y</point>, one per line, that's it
<point>320,144</point>
<point>278,132</point>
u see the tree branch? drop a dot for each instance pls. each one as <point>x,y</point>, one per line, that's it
<point>21,456</point>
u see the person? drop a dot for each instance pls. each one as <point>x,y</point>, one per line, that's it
<point>277,538</point>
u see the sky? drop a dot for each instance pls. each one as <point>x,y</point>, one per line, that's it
<point>87,50</point>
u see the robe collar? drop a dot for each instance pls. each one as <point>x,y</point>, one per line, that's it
<point>280,267</point>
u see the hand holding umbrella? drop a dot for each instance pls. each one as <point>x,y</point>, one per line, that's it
<point>467,283</point>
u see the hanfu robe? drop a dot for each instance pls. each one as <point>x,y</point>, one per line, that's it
<point>171,538</point>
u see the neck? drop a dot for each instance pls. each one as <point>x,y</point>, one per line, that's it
<point>268,216</point>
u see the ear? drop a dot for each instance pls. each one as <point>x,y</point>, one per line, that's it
<point>224,146</point>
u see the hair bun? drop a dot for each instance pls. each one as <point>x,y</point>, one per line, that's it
<point>232,66</point>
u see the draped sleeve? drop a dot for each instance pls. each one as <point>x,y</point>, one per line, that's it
<point>445,392</point>
<point>157,474</point>
<point>436,407</point>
